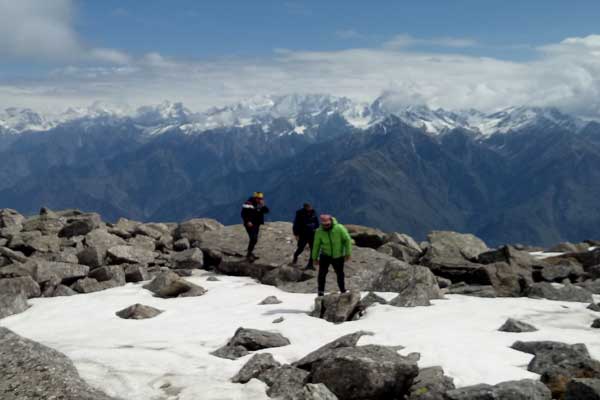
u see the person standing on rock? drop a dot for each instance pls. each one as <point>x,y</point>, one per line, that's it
<point>305,225</point>
<point>253,216</point>
<point>332,246</point>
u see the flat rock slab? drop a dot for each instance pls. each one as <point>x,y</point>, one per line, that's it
<point>516,326</point>
<point>275,248</point>
<point>33,371</point>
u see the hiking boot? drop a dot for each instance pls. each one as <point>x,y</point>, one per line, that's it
<point>320,294</point>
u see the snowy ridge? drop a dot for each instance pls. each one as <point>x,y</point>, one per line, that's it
<point>294,114</point>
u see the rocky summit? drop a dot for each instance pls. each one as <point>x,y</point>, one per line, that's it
<point>157,268</point>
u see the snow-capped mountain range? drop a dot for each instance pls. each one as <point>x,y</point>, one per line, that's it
<point>300,114</point>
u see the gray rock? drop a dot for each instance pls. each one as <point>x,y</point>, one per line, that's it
<point>136,273</point>
<point>14,256</point>
<point>594,307</point>
<point>525,389</point>
<point>510,255</point>
<point>453,246</point>
<point>143,242</point>
<point>567,247</point>
<point>194,291</point>
<point>349,340</point>
<point>130,255</point>
<point>558,363</point>
<point>113,273</point>
<point>270,300</point>
<point>365,372</point>
<point>508,280</point>
<point>42,271</point>
<point>407,280</point>
<point>472,290</point>
<point>47,224</point>
<point>194,229</point>
<point>278,320</point>
<point>567,292</point>
<point>317,391</point>
<point>12,303</point>
<point>24,284</point>
<point>62,290</point>
<point>126,225</point>
<point>181,244</point>
<point>10,218</point>
<point>370,299</point>
<point>430,384</point>
<point>404,240</point>
<point>138,311</point>
<point>285,382</point>
<point>188,259</point>
<point>102,239</point>
<point>79,227</point>
<point>247,340</point>
<point>401,252</point>
<point>88,285</point>
<point>365,236</point>
<point>587,259</point>
<point>33,371</point>
<point>414,297</point>
<point>583,389</point>
<point>516,326</point>
<point>258,364</point>
<point>337,308</point>
<point>213,279</point>
<point>93,256</point>
<point>559,272</point>
<point>168,284</point>
<point>594,272</point>
<point>154,230</point>
<point>592,286</point>
<point>443,283</point>
<point>45,244</point>
<point>596,323</point>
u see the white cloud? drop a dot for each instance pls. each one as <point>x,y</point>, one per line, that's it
<point>562,74</point>
<point>347,34</point>
<point>404,41</point>
<point>43,30</point>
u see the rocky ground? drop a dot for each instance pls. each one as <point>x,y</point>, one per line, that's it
<point>130,270</point>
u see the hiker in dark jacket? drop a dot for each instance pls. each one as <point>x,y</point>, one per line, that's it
<point>305,225</point>
<point>253,216</point>
<point>332,246</point>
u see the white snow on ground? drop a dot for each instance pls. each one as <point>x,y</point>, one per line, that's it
<point>133,359</point>
<point>542,254</point>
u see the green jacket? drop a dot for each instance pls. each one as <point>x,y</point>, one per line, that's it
<point>335,242</point>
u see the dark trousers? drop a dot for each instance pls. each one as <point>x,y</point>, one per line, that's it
<point>252,236</point>
<point>338,266</point>
<point>303,240</point>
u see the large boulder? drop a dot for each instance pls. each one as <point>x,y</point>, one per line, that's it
<point>43,271</point>
<point>114,273</point>
<point>525,389</point>
<point>559,363</point>
<point>136,273</point>
<point>408,281</point>
<point>567,292</point>
<point>486,291</point>
<point>285,382</point>
<point>10,218</point>
<point>47,224</point>
<point>169,284</point>
<point>142,241</point>
<point>445,245</point>
<point>560,272</point>
<point>257,365</point>
<point>91,285</point>
<point>430,384</point>
<point>97,243</point>
<point>592,286</point>
<point>80,225</point>
<point>508,280</point>
<point>13,256</point>
<point>583,389</point>
<point>24,284</point>
<point>336,307</point>
<point>365,236</point>
<point>130,255</point>
<point>365,372</point>
<point>193,229</point>
<point>349,340</point>
<point>188,259</point>
<point>317,391</point>
<point>246,340</point>
<point>12,303</point>
<point>587,259</point>
<point>33,371</point>
<point>413,297</point>
<point>401,252</point>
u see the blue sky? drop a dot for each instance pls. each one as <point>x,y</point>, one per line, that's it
<point>451,54</point>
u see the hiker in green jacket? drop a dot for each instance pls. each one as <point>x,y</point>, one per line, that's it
<point>332,246</point>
